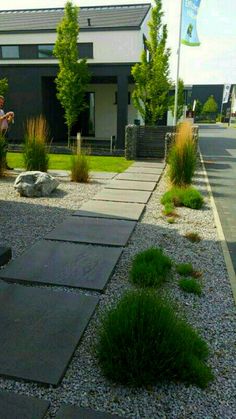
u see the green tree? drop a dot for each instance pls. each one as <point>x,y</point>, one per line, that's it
<point>210,106</point>
<point>180,108</point>
<point>151,75</point>
<point>73,75</point>
<point>3,86</point>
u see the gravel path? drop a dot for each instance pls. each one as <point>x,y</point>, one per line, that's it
<point>213,314</point>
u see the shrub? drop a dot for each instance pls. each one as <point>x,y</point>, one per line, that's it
<point>170,220</point>
<point>192,198</point>
<point>79,168</point>
<point>188,197</point>
<point>35,150</point>
<point>142,341</point>
<point>193,237</point>
<point>182,158</point>
<point>190,285</point>
<point>150,268</point>
<point>3,153</point>
<point>184,269</point>
<point>169,209</point>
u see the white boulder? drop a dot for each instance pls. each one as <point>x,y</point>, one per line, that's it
<point>35,184</point>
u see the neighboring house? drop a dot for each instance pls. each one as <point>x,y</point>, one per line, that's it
<point>111,38</point>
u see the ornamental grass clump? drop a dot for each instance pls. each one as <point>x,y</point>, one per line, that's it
<point>182,158</point>
<point>190,285</point>
<point>3,153</point>
<point>150,268</point>
<point>184,269</point>
<point>35,149</point>
<point>142,341</point>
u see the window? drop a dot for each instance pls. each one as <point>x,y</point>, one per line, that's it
<point>10,51</point>
<point>45,51</point>
<point>85,49</point>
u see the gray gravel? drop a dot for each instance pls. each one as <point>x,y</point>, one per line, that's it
<point>213,314</point>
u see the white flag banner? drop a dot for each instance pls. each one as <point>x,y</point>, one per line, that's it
<point>226,93</point>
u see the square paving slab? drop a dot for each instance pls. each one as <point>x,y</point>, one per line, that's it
<point>131,185</point>
<point>74,412</point>
<point>110,209</point>
<point>103,175</point>
<point>140,177</point>
<point>148,164</point>
<point>40,330</point>
<point>15,406</point>
<point>62,263</point>
<point>93,230</point>
<point>123,195</point>
<point>147,170</point>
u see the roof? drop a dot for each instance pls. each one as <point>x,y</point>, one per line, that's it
<point>100,17</point>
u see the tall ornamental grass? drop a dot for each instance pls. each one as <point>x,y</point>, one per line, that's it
<point>182,157</point>
<point>35,151</point>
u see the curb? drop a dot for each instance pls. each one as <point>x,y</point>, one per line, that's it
<point>224,246</point>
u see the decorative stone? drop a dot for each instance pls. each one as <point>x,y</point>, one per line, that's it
<point>35,184</point>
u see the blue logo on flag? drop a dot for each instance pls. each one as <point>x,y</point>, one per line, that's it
<point>189,34</point>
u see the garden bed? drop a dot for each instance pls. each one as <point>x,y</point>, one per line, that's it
<point>213,314</point>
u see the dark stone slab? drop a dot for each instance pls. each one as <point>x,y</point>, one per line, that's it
<point>62,263</point>
<point>15,406</point>
<point>129,185</point>
<point>147,170</point>
<point>151,164</point>
<point>74,412</point>
<point>103,175</point>
<point>5,255</point>
<point>93,230</point>
<point>123,195</point>
<point>141,177</point>
<point>109,209</point>
<point>40,330</point>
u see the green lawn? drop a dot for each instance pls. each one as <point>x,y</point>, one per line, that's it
<point>62,162</point>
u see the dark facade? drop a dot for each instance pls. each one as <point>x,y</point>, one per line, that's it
<point>33,92</point>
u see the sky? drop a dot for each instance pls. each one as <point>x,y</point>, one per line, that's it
<point>213,62</point>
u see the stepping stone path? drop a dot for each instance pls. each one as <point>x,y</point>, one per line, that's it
<point>73,412</point>
<point>14,406</point>
<point>40,328</point>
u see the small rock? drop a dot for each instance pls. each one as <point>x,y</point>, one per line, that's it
<point>35,184</point>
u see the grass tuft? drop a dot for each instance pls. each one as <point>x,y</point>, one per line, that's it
<point>80,168</point>
<point>171,220</point>
<point>190,285</point>
<point>150,268</point>
<point>193,237</point>
<point>184,269</point>
<point>35,150</point>
<point>188,197</point>
<point>142,341</point>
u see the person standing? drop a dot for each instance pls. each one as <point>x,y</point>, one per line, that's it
<point>5,120</point>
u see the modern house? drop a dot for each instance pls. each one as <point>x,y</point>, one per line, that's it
<point>111,38</point>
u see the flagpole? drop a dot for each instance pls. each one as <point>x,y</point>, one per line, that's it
<point>178,65</point>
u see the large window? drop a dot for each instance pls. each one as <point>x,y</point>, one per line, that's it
<point>45,51</point>
<point>10,51</point>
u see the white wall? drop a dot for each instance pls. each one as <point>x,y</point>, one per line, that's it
<point>108,46</point>
<point>106,110</point>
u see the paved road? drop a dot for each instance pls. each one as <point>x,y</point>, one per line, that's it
<point>218,147</point>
